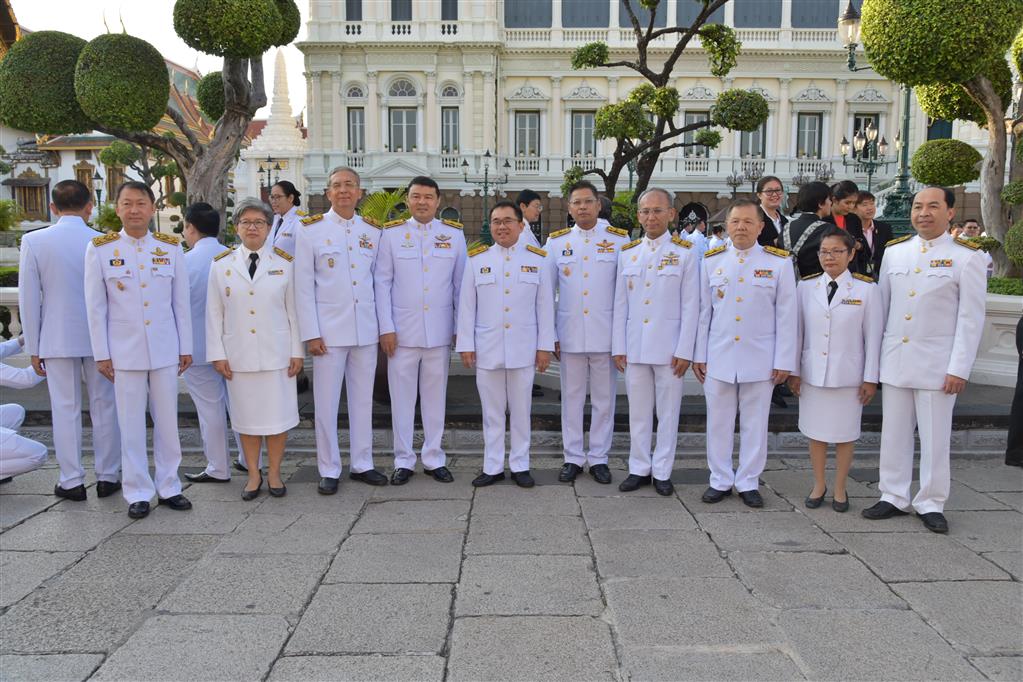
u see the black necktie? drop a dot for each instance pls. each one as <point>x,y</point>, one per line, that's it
<point>254,258</point>
<point>832,288</point>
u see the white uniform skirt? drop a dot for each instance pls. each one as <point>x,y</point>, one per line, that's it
<point>830,415</point>
<point>263,403</point>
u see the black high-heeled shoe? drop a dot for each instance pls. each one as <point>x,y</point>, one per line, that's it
<point>248,495</point>
<point>814,502</point>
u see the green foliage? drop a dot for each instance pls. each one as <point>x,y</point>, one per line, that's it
<point>228,28</point>
<point>120,153</point>
<point>664,103</point>
<point>737,109</point>
<point>107,219</point>
<point>210,93</point>
<point>721,46</point>
<point>37,85</point>
<point>572,176</point>
<point>5,168</point>
<point>925,41</point>
<point>121,82</point>
<point>623,211</point>
<point>945,163</point>
<point>1006,286</point>
<point>291,21</point>
<point>1013,243</point>
<point>1012,193</point>
<point>951,101</point>
<point>708,137</point>
<point>589,56</point>
<point>177,199</point>
<point>985,243</point>
<point>9,277</point>
<point>384,206</point>
<point>1016,51</point>
<point>626,119</point>
<point>10,215</point>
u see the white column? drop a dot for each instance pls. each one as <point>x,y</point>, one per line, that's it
<point>730,14</point>
<point>784,148</point>
<point>672,18</point>
<point>613,19</point>
<point>612,89</point>
<point>432,116</point>
<point>478,111</point>
<point>785,37</point>
<point>468,125</point>
<point>308,75</point>
<point>337,112</point>
<point>556,32</point>
<point>489,111</point>
<point>316,113</point>
<point>555,133</point>
<point>839,125</point>
<point>374,141</point>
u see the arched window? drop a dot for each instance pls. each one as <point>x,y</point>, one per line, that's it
<point>451,213</point>
<point>449,91</point>
<point>402,87</point>
<point>355,92</point>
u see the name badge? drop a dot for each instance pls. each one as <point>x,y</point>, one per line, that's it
<point>530,268</point>
<point>275,272</point>
<point>117,262</point>
<point>852,301</point>
<point>941,263</point>
<point>485,271</point>
<point>161,261</point>
<point>566,252</point>
<point>764,274</point>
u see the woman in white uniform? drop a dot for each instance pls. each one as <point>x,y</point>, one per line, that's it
<point>284,201</point>
<point>840,329</point>
<point>252,339</point>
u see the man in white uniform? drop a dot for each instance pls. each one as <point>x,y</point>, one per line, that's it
<point>335,255</point>
<point>582,263</point>
<point>656,315</point>
<point>140,323</point>
<point>416,283</point>
<point>933,288</point>
<point>693,224</point>
<point>52,306</point>
<point>745,346</point>
<point>18,455</point>
<point>506,331</point>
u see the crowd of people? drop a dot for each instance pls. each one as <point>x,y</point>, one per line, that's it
<point>824,302</point>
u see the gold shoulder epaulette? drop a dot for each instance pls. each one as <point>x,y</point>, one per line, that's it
<point>559,233</point>
<point>309,220</point>
<point>392,223</point>
<point>301,214</point>
<point>618,231</point>
<point>223,254</point>
<point>372,222</point>
<point>814,275</point>
<point>715,251</point>
<point>635,242</point>
<point>681,242</point>
<point>106,238</point>
<point>968,244</point>
<point>478,250</point>
<point>452,223</point>
<point>863,278</point>
<point>775,251</point>
<point>898,240</point>
<point>536,249</point>
<point>167,238</point>
<point>283,254</point>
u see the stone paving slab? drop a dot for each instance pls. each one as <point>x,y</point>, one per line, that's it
<point>904,557</point>
<point>852,521</point>
<point>527,534</point>
<point>402,558</point>
<point>67,532</point>
<point>287,534</point>
<point>796,485</point>
<point>413,516</point>
<point>976,617</point>
<point>391,619</point>
<point>672,664</point>
<point>691,494</point>
<point>192,648</point>
<point>112,504</point>
<point>302,498</point>
<point>40,482</point>
<point>640,513</point>
<point>532,648</point>
<point>657,553</point>
<point>17,508</point>
<point>514,585</point>
<point>1012,562</point>
<point>766,532</point>
<point>544,500</point>
<point>987,531</point>
<point>423,487</point>
<point>585,486</point>
<point>1001,668</point>
<point>871,645</point>
<point>990,479</point>
<point>369,668</point>
<point>209,518</point>
<point>23,572</point>
<point>49,668</point>
<point>1013,500</point>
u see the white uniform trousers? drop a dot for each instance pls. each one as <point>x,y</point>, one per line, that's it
<point>651,387</point>
<point>500,390</point>
<point>130,389</point>
<point>752,399</point>
<point>11,416</point>
<point>578,369</point>
<point>64,382</point>
<point>209,393</point>
<point>931,411</point>
<point>356,366</point>
<point>427,367</point>
<point>18,455</point>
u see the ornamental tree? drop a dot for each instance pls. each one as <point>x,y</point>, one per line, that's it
<point>945,163</point>
<point>643,123</point>
<point>56,83</point>
<point>150,165</point>
<point>921,43</point>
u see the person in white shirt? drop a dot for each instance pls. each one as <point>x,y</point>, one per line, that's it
<point>692,222</point>
<point>531,205</point>
<point>285,200</point>
<point>18,455</point>
<point>972,229</point>
<point>718,238</point>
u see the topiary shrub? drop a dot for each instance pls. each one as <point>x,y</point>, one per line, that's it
<point>37,85</point>
<point>1017,52</point>
<point>291,21</point>
<point>1012,193</point>
<point>121,82</point>
<point>210,93</point>
<point>177,199</point>
<point>951,102</point>
<point>1013,244</point>
<point>708,138</point>
<point>945,163</point>
<point>589,56</point>
<point>739,110</point>
<point>228,28</point>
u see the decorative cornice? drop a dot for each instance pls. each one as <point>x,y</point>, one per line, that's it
<point>699,93</point>
<point>763,92</point>
<point>528,92</point>
<point>585,92</point>
<point>869,95</point>
<point>812,93</point>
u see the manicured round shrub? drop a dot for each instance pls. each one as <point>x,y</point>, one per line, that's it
<point>291,21</point>
<point>950,101</point>
<point>945,163</point>
<point>121,82</point>
<point>210,94</point>
<point>37,85</point>
<point>739,110</point>
<point>1013,243</point>
<point>229,28</point>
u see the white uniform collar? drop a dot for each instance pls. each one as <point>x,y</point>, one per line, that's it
<point>744,253</point>
<point>656,243</point>
<point>290,213</point>
<point>344,221</point>
<point>510,249</point>
<point>842,278</point>
<point>69,220</point>
<point>262,250</point>
<point>205,240</point>
<point>592,230</point>
<point>421,226</point>
<point>931,243</point>
<point>133,240</point>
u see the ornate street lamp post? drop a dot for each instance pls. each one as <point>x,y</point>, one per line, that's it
<point>868,153</point>
<point>97,181</point>
<point>735,180</point>
<point>485,185</point>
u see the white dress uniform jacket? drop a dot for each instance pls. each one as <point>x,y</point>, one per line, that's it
<point>18,455</point>
<point>285,227</point>
<point>197,262</point>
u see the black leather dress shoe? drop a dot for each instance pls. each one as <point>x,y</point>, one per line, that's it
<point>664,488</point>
<point>776,398</point>
<point>882,510</point>
<point>107,488</point>
<point>238,466</point>
<point>327,486</point>
<point>537,391</point>
<point>401,476</point>
<point>6,480</point>
<point>371,477</point>
<point>484,480</point>
<point>523,479</point>
<point>568,472</point>
<point>203,477</point>
<point>600,473</point>
<point>633,482</point>
<point>76,494</point>
<point>815,502</point>
<point>440,474</point>
<point>752,498</point>
<point>177,503</point>
<point>138,510</point>
<point>934,522</point>
<point>713,495</point>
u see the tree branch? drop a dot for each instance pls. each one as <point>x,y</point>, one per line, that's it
<point>257,94</point>
<point>683,43</point>
<point>633,19</point>
<point>167,145</point>
<point>183,126</point>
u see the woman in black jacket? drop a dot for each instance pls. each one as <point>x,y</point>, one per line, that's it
<point>771,196</point>
<point>802,234</point>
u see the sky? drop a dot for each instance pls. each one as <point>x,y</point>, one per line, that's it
<point>152,20</point>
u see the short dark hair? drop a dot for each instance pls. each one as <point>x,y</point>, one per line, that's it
<point>136,185</point>
<point>204,218</point>
<point>507,204</point>
<point>423,181</point>
<point>584,184</point>
<point>835,231</point>
<point>290,191</point>
<point>811,196</point>
<point>739,203</point>
<point>527,196</point>
<point>970,220</point>
<point>950,196</point>
<point>762,182</point>
<point>844,190</point>
<point>865,196</point>
<point>70,195</point>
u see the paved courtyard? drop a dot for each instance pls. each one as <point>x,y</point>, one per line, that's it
<point>444,582</point>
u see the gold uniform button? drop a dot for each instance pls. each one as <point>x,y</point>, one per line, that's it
<point>143,285</point>
<point>736,338</point>
<point>252,331</point>
<point>586,292</point>
<point>147,321</point>
<point>253,293</point>
<point>507,291</point>
<point>139,249</point>
<point>142,267</point>
<point>646,302</point>
<point>738,299</point>
<point>507,325</point>
<point>354,283</point>
<point>507,257</point>
<point>426,269</point>
<point>585,275</point>
<point>905,339</point>
<point>923,249</point>
<point>738,318</point>
<point>426,307</point>
<point>507,274</point>
<point>741,279</point>
<point>646,321</point>
<point>908,316</point>
<point>649,267</point>
<point>145,304</point>
<point>507,309</point>
<point>742,260</point>
<point>586,257</point>
<point>916,269</point>
<point>586,311</point>
<point>252,312</point>
<point>912,293</point>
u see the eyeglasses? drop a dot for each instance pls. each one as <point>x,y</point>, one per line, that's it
<point>652,211</point>
<point>582,202</point>
<point>500,222</point>
<point>246,224</point>
<point>829,253</point>
<point>276,197</point>
<point>771,191</point>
